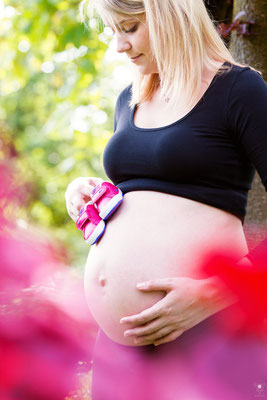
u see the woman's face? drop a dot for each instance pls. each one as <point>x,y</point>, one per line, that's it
<point>132,38</point>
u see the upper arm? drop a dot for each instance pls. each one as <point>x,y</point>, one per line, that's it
<point>122,99</point>
<point>247,116</point>
<point>116,114</point>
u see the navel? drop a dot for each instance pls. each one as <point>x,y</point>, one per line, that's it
<point>102,280</point>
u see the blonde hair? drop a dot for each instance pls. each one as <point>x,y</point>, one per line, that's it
<point>184,43</point>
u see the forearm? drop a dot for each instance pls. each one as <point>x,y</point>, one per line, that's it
<point>215,294</point>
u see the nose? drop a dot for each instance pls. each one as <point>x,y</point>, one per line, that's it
<point>123,43</point>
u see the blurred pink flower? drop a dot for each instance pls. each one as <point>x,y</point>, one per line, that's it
<point>46,330</point>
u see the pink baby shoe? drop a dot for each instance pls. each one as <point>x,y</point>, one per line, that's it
<point>90,223</point>
<point>106,198</point>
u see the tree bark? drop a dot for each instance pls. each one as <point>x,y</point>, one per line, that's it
<point>221,11</point>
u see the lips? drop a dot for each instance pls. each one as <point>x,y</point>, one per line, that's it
<point>135,57</point>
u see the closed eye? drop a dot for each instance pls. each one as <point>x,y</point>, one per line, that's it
<point>133,29</point>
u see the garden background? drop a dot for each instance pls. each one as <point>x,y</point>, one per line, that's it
<point>58,86</point>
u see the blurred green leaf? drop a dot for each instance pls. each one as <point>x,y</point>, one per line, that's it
<point>57,99</point>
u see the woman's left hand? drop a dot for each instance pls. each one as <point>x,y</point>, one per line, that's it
<point>187,302</point>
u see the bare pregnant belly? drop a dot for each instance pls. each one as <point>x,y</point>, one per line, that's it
<point>152,235</point>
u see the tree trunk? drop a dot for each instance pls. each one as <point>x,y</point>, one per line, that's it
<point>221,11</point>
<point>252,50</point>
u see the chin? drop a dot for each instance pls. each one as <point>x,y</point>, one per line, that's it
<point>144,71</point>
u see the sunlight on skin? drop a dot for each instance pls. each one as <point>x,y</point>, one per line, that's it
<point>233,281</point>
<point>46,338</point>
<point>234,341</point>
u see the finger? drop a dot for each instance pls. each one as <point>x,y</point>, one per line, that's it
<point>82,186</point>
<point>168,338</point>
<point>74,208</point>
<point>74,217</point>
<point>147,329</point>
<point>95,181</point>
<point>147,315</point>
<point>81,196</point>
<point>156,335</point>
<point>70,210</point>
<point>86,190</point>
<point>165,284</point>
<point>73,199</point>
<point>77,203</point>
<point>73,214</point>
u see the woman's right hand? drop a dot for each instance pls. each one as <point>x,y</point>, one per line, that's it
<point>78,193</point>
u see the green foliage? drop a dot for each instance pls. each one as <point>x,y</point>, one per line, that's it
<point>56,105</point>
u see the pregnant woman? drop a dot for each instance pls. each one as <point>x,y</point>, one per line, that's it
<point>189,133</point>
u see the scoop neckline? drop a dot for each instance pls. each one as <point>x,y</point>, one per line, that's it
<point>131,116</point>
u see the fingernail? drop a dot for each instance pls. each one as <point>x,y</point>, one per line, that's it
<point>127,333</point>
<point>141,285</point>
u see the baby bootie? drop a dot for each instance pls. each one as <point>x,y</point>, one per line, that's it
<point>90,223</point>
<point>106,198</point>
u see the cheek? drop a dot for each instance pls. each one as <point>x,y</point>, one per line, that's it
<point>145,47</point>
<point>144,40</point>
<point>147,44</point>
